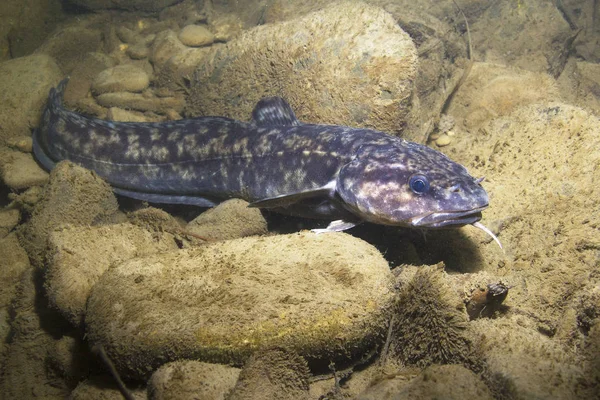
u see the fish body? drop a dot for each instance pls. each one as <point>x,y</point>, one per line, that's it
<point>274,161</point>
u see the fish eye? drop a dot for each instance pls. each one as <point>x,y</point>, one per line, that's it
<point>418,184</point>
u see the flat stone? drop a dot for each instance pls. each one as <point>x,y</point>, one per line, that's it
<point>140,102</point>
<point>19,170</point>
<point>322,296</point>
<point>131,5</point>
<point>122,78</point>
<point>117,114</point>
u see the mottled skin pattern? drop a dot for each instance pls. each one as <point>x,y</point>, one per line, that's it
<point>321,171</point>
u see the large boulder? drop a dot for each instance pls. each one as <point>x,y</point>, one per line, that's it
<point>322,296</point>
<point>348,64</point>
<point>23,92</point>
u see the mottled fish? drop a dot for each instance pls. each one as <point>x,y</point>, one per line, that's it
<point>274,161</point>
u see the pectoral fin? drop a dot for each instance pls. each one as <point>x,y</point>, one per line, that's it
<point>337,226</point>
<point>287,200</point>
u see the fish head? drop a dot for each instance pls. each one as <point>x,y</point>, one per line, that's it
<point>408,184</point>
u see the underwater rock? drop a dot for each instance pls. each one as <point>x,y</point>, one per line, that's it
<point>322,296</point>
<point>103,387</point>
<point>229,220</point>
<point>23,92</point>
<point>178,70</point>
<point>449,382</point>
<point>78,256</point>
<point>118,114</point>
<point>430,323</point>
<point>443,140</point>
<point>196,36</point>
<point>530,363</point>
<point>13,263</point>
<point>140,102</point>
<point>154,220</point>
<point>192,380</point>
<point>122,78</point>
<point>348,64</point>
<point>127,35</point>
<point>68,46</point>
<point>165,45</point>
<point>493,90</point>
<point>273,374</point>
<point>70,358</point>
<point>73,195</point>
<point>520,34</point>
<point>9,218</point>
<point>592,361</point>
<point>138,51</point>
<point>82,76</point>
<point>580,84</point>
<point>19,170</point>
<point>34,328</point>
<point>153,6</point>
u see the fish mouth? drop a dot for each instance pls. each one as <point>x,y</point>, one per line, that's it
<point>447,219</point>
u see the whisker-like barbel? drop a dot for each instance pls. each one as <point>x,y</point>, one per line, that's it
<point>479,225</point>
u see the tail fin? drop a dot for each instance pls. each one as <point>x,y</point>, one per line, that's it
<point>55,98</point>
<point>54,105</point>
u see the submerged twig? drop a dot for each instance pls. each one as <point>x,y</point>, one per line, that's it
<point>467,71</point>
<point>99,350</point>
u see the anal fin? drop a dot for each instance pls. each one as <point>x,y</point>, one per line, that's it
<point>166,198</point>
<point>287,200</point>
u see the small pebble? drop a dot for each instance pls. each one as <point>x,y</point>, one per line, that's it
<point>118,114</point>
<point>138,51</point>
<point>126,35</point>
<point>443,140</point>
<point>196,36</point>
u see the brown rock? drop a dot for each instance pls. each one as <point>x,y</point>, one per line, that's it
<point>322,296</point>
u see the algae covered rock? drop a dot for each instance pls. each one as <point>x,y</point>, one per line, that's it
<point>449,382</point>
<point>273,374</point>
<point>131,5</point>
<point>348,64</point>
<point>74,196</point>
<point>430,324</point>
<point>229,220</point>
<point>23,92</point>
<point>78,255</point>
<point>192,380</point>
<point>321,296</point>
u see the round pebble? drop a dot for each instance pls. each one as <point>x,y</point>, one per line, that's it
<point>443,140</point>
<point>196,36</point>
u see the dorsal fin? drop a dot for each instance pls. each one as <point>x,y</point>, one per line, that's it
<point>274,111</point>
